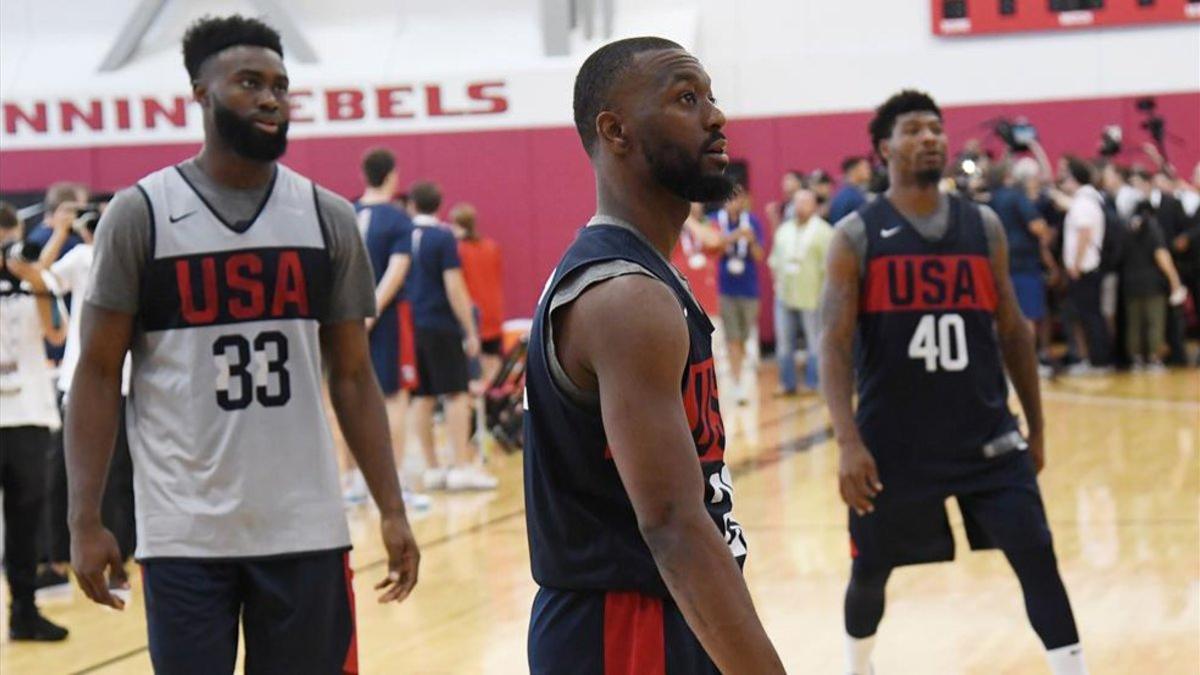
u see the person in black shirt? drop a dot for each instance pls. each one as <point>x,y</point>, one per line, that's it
<point>1146,271</point>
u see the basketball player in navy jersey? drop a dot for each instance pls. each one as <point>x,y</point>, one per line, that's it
<point>235,282</point>
<point>920,279</point>
<point>629,501</point>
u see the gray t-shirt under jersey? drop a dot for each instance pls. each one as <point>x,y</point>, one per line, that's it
<point>931,227</point>
<point>123,246</point>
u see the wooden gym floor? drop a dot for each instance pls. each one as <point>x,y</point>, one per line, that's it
<point>1122,488</point>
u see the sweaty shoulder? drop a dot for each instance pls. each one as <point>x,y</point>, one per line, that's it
<point>993,228</point>
<point>123,238</point>
<point>854,228</point>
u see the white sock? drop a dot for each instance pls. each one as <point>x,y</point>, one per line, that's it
<point>858,655</point>
<point>1066,660</point>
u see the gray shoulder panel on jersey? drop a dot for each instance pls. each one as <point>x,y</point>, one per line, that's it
<point>124,240</point>
<point>569,290</point>
<point>353,285</point>
<point>854,228</point>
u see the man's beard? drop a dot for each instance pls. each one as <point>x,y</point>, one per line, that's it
<point>680,173</point>
<point>927,177</point>
<point>246,139</point>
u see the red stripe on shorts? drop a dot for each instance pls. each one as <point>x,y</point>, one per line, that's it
<point>408,347</point>
<point>350,666</point>
<point>633,634</point>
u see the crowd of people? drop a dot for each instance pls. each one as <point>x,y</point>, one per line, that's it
<point>1103,257</point>
<point>436,342</point>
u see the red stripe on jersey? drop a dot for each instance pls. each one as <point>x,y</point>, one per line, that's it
<point>634,643</point>
<point>903,283</point>
<point>350,665</point>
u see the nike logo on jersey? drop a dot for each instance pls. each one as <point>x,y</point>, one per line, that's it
<point>889,232</point>
<point>176,219</point>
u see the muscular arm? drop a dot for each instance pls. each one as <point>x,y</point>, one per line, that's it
<point>637,364</point>
<point>358,403</point>
<point>390,283</point>
<point>89,435</point>
<point>858,477</point>
<point>1017,347</point>
<point>1162,258</point>
<point>460,302</point>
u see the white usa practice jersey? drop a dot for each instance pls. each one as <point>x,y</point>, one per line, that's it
<point>233,456</point>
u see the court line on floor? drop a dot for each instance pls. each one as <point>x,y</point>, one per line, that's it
<point>766,457</point>
<point>1106,399</point>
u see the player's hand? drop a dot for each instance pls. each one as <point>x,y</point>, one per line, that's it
<point>1037,450</point>
<point>92,550</point>
<point>471,346</point>
<point>403,559</point>
<point>369,322</point>
<point>1181,243</point>
<point>858,478</point>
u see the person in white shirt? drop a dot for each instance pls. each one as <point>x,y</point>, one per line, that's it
<point>1083,239</point>
<point>797,263</point>
<point>27,416</point>
<point>70,275</point>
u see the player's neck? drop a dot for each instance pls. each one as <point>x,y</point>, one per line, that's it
<point>230,169</point>
<point>372,196</point>
<point>915,198</point>
<point>655,212</point>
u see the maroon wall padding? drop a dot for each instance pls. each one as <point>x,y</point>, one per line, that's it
<point>533,188</point>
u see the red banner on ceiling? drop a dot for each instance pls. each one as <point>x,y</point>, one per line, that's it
<point>953,18</point>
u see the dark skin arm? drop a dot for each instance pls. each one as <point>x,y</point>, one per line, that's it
<point>1018,348</point>
<point>636,364</point>
<point>858,477</point>
<point>358,403</point>
<point>89,436</point>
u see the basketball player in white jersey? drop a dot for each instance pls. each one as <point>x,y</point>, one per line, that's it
<point>229,277</point>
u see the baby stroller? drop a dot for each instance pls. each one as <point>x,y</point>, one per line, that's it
<point>504,399</point>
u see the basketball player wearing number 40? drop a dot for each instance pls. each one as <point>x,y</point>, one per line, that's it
<point>233,279</point>
<point>918,281</point>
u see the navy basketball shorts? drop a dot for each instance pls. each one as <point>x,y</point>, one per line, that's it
<point>613,633</point>
<point>393,350</point>
<point>1001,507</point>
<point>297,613</point>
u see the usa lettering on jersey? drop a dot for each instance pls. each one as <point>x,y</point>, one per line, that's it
<point>235,286</point>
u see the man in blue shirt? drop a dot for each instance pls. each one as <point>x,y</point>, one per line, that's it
<point>387,232</point>
<point>446,338</point>
<point>1028,235</point>
<point>737,279</point>
<point>856,176</point>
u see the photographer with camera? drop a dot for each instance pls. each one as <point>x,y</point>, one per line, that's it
<point>27,416</point>
<point>65,203</point>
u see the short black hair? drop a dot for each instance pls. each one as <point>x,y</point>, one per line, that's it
<point>209,35</point>
<point>597,76</point>
<point>376,166</point>
<point>906,101</point>
<point>426,197</point>
<point>850,162</point>
<point>1080,170</point>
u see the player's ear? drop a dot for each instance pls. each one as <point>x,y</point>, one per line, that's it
<point>611,131</point>
<point>199,91</point>
<point>884,150</point>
